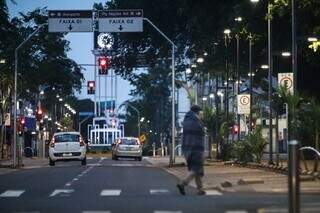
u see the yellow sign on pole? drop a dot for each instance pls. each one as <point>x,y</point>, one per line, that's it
<point>142,137</point>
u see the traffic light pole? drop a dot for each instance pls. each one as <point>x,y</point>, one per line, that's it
<point>15,145</point>
<point>172,157</point>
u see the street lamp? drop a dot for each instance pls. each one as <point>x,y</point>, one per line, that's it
<point>269,17</point>
<point>226,33</point>
<point>251,81</point>
<point>312,39</point>
<point>200,60</point>
<point>15,145</point>
<point>188,71</point>
<point>238,19</point>
<point>286,54</point>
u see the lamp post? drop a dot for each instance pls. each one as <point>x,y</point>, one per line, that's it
<point>15,95</point>
<point>251,81</point>
<point>270,63</point>
<point>226,37</point>
<point>173,114</point>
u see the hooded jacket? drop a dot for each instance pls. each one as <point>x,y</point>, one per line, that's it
<point>193,132</point>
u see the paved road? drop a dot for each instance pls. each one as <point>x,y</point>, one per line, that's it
<point>106,186</point>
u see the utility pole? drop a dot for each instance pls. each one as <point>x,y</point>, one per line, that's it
<point>16,147</point>
<point>173,121</point>
<point>251,81</point>
<point>270,63</point>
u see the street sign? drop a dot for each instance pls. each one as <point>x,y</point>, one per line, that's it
<point>7,119</point>
<point>142,137</point>
<point>243,104</point>
<point>286,79</point>
<point>70,21</point>
<point>121,21</point>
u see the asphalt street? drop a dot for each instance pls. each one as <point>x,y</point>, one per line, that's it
<point>106,186</point>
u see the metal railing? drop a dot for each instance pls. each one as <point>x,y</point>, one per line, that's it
<point>316,158</point>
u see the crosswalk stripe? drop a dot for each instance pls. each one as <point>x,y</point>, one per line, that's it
<point>61,192</point>
<point>213,192</point>
<point>110,192</point>
<point>12,193</point>
<point>96,212</point>
<point>158,191</point>
<point>161,211</point>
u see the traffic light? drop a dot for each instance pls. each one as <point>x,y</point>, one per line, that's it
<point>103,65</point>
<point>91,85</point>
<point>39,113</point>
<point>235,129</point>
<point>22,122</point>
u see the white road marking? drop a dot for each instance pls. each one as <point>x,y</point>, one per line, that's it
<point>75,179</point>
<point>96,212</point>
<point>125,165</point>
<point>161,211</point>
<point>213,192</point>
<point>110,192</point>
<point>12,193</point>
<point>94,164</point>
<point>158,191</point>
<point>68,184</point>
<point>89,158</point>
<point>61,191</point>
<point>103,158</point>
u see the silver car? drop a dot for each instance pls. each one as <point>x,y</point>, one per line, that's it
<point>66,146</point>
<point>127,147</point>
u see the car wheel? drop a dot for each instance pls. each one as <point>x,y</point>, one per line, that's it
<point>139,158</point>
<point>84,161</point>
<point>51,162</point>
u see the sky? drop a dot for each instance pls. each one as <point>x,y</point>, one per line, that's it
<point>81,45</point>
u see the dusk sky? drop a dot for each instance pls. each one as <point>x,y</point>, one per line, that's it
<point>81,43</point>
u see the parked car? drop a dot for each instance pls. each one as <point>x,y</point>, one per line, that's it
<point>128,147</point>
<point>67,146</point>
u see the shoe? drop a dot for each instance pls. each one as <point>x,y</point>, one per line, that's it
<point>181,189</point>
<point>201,192</point>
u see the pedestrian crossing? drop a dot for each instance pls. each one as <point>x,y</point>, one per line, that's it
<point>67,192</point>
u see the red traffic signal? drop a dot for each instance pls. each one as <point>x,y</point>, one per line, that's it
<point>103,65</point>
<point>235,129</point>
<point>91,85</point>
<point>39,113</point>
<point>22,120</point>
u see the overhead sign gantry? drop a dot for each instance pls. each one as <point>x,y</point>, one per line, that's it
<point>121,20</point>
<point>70,21</point>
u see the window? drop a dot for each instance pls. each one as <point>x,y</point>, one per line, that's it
<point>66,138</point>
<point>129,141</point>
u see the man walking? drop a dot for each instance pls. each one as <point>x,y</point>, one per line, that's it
<point>193,149</point>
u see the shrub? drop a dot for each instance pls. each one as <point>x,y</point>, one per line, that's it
<point>251,148</point>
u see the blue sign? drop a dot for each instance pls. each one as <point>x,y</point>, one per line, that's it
<point>86,113</point>
<point>30,123</point>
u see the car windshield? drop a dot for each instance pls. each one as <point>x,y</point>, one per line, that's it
<point>66,138</point>
<point>129,142</point>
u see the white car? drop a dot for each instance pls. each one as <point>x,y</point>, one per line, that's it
<point>66,146</point>
<point>127,147</point>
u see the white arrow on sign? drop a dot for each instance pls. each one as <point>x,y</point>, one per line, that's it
<point>61,191</point>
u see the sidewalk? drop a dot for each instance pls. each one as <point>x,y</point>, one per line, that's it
<point>233,178</point>
<point>6,166</point>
